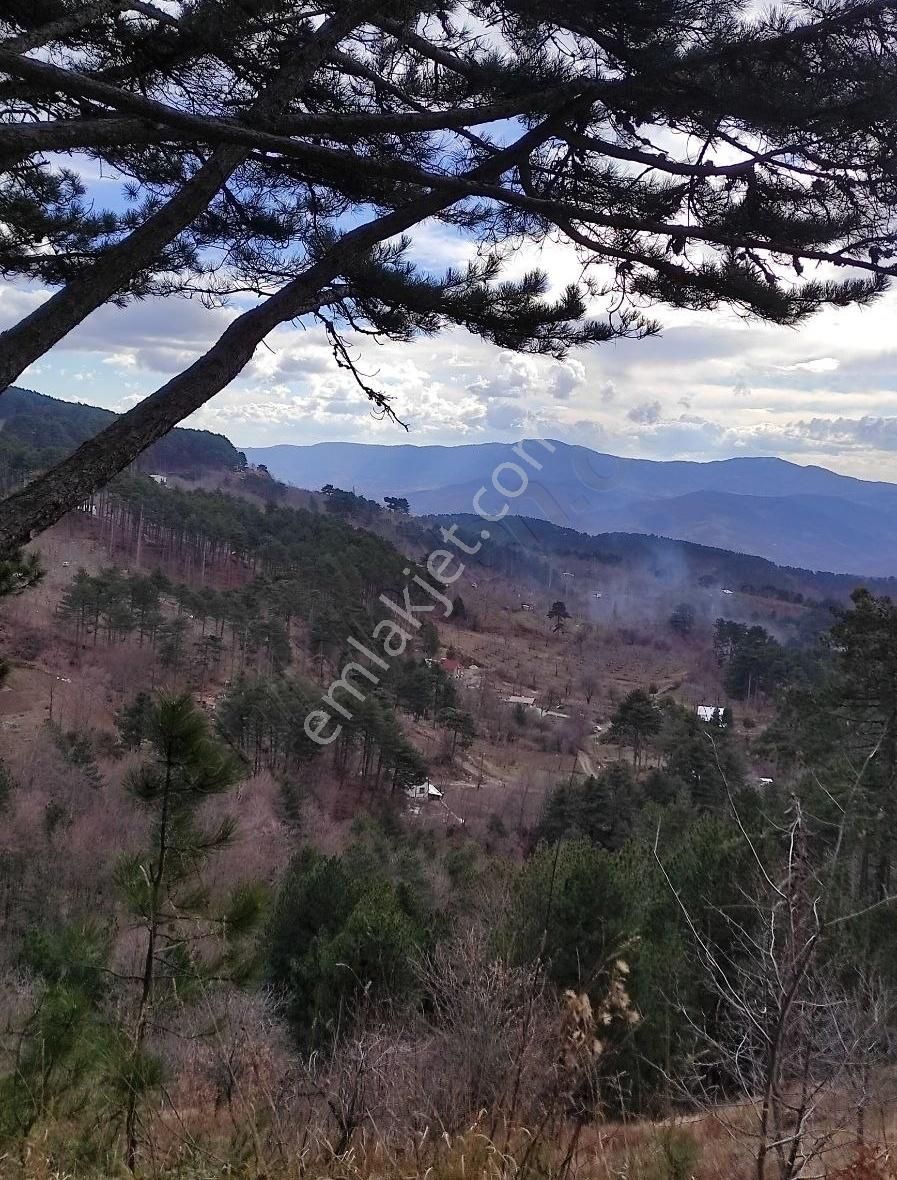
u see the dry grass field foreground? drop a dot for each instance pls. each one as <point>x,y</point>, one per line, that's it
<point>255,1142</point>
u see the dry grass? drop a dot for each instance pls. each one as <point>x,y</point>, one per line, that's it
<point>199,1148</point>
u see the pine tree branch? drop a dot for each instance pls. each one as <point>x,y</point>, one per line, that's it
<point>551,210</point>
<point>151,10</point>
<point>49,497</point>
<point>398,170</point>
<point>116,266</point>
<point>748,46</point>
<point>20,140</point>
<point>56,30</point>
<point>23,139</point>
<point>661,163</point>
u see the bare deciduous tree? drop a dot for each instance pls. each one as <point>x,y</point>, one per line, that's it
<point>801,1028</point>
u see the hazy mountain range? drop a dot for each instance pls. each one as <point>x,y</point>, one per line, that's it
<point>794,515</point>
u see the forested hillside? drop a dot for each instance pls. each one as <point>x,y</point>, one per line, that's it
<point>37,431</point>
<point>520,540</point>
<point>226,940</point>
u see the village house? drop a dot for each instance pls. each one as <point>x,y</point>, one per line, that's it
<point>423,791</point>
<point>712,714</point>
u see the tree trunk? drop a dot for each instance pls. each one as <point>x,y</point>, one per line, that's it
<point>149,970</point>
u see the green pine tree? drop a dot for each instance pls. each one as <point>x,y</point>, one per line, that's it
<point>637,719</point>
<point>163,890</point>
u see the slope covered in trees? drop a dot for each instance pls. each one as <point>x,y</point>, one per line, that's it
<point>269,600</point>
<point>37,431</point>
<point>520,543</point>
<point>217,932</point>
<point>311,564</point>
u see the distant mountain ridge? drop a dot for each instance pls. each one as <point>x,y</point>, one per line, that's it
<point>798,516</point>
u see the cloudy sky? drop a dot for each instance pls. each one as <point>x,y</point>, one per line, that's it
<point>712,386</point>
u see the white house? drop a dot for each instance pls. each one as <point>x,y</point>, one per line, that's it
<point>424,790</point>
<point>160,479</point>
<point>710,713</point>
<point>520,700</point>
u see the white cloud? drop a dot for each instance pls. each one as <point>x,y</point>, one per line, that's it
<point>517,375</point>
<point>821,364</point>
<point>607,392</point>
<point>647,413</point>
<point>121,360</point>
<point>865,433</point>
<point>505,416</point>
<point>565,377</point>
